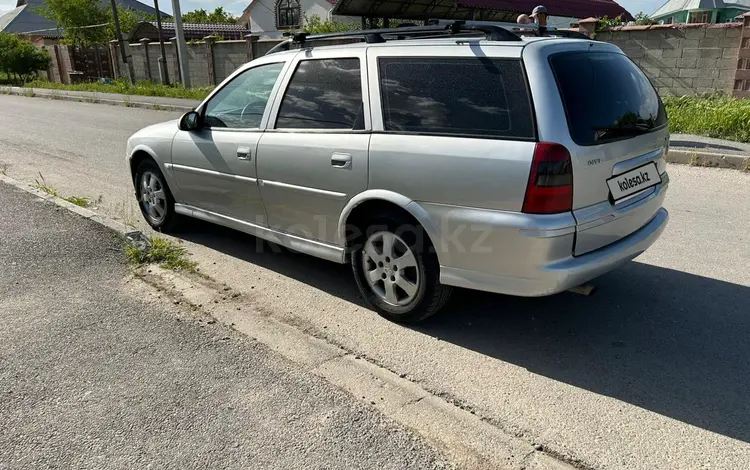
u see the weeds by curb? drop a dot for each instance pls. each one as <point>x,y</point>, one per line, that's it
<point>141,250</point>
<point>44,187</point>
<point>79,201</point>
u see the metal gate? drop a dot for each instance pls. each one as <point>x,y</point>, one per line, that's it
<point>91,62</point>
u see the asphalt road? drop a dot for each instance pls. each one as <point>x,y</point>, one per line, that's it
<point>651,372</point>
<point>97,372</point>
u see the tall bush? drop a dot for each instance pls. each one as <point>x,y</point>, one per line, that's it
<point>21,58</point>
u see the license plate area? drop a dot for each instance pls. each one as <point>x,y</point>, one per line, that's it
<point>634,181</point>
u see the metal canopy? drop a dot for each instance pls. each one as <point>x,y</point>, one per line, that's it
<point>415,10</point>
<point>483,10</point>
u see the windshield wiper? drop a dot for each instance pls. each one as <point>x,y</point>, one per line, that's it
<point>622,130</point>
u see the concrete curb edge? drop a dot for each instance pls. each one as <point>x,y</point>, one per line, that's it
<point>708,159</point>
<point>466,439</point>
<point>108,222</point>
<point>52,94</point>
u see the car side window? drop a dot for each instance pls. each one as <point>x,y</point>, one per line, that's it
<point>241,103</point>
<point>456,96</point>
<point>323,94</point>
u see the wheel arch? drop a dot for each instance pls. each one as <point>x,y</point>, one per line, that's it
<point>385,198</point>
<point>141,153</point>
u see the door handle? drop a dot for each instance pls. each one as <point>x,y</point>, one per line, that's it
<point>243,153</point>
<point>341,161</point>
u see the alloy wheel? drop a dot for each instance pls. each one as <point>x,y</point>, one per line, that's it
<point>153,197</point>
<point>390,268</point>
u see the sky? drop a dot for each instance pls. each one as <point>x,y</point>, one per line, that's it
<point>236,6</point>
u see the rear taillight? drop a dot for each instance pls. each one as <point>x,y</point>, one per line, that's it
<point>550,188</point>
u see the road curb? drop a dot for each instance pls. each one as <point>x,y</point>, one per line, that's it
<point>465,438</point>
<point>138,101</point>
<point>708,159</point>
<point>110,223</point>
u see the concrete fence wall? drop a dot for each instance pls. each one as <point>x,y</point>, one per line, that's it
<point>686,59</point>
<point>209,61</point>
<point>61,64</point>
<point>742,78</point>
<point>683,61</point>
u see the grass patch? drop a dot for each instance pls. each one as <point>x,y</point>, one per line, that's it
<point>123,87</point>
<point>79,201</point>
<point>4,169</point>
<point>166,253</point>
<point>718,117</point>
<point>44,187</point>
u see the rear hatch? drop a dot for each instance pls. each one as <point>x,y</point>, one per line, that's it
<point>619,134</point>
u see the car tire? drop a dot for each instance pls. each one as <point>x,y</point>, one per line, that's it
<point>154,198</point>
<point>406,294</point>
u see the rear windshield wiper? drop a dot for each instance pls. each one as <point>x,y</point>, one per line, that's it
<point>629,129</point>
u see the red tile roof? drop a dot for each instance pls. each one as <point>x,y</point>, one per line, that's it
<point>573,8</point>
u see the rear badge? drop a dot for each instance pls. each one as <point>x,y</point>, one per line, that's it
<point>595,161</point>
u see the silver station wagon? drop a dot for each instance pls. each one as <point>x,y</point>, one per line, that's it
<point>427,158</point>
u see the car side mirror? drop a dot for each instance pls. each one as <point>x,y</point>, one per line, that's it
<point>190,121</point>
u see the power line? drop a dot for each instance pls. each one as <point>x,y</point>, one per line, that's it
<point>58,29</point>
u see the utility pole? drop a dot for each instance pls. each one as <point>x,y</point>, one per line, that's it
<point>128,63</point>
<point>181,45</point>
<point>163,59</point>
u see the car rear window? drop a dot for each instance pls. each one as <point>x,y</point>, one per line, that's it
<point>456,96</point>
<point>606,97</point>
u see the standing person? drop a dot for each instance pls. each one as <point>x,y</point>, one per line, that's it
<point>523,19</point>
<point>540,16</point>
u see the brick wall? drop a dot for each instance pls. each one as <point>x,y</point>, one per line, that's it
<point>682,59</point>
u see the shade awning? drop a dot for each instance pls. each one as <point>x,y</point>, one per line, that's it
<point>486,10</point>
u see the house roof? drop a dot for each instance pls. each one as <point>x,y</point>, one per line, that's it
<point>8,18</point>
<point>25,19</point>
<point>488,10</point>
<point>674,6</point>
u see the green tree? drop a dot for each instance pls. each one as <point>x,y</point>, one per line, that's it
<point>7,43</point>
<point>128,20</point>
<point>21,58</point>
<point>316,25</point>
<point>219,15</point>
<point>79,20</point>
<point>605,22</point>
<point>642,19</point>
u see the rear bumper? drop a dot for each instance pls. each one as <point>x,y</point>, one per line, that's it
<point>535,280</point>
<point>572,272</point>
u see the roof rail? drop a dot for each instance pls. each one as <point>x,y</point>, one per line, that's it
<point>520,28</point>
<point>373,36</point>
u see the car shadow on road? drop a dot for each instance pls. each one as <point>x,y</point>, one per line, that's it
<point>667,341</point>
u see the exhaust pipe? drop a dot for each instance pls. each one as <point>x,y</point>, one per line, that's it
<point>583,289</point>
